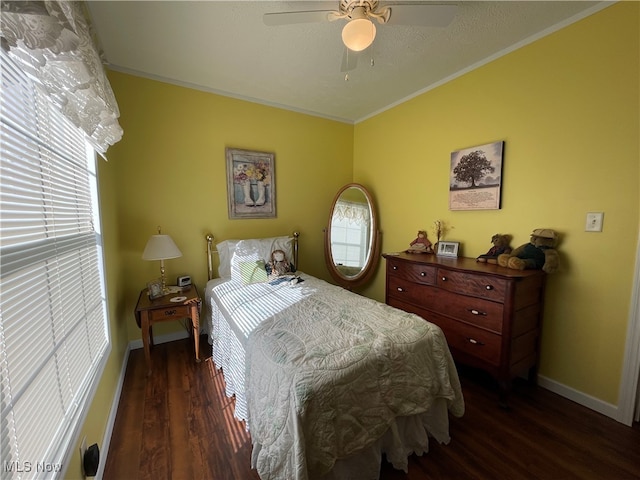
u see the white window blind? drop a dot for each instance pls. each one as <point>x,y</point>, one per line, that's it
<point>53,320</point>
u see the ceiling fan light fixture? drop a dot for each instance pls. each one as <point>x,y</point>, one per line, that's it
<point>358,34</point>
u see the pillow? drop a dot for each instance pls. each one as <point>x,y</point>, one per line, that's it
<point>263,247</point>
<point>241,255</point>
<point>253,272</point>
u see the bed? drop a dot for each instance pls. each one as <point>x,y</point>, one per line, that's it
<point>326,380</point>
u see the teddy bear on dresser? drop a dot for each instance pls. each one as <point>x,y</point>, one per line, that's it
<point>500,245</point>
<point>540,253</point>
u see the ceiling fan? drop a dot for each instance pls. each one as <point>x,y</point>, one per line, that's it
<point>360,31</point>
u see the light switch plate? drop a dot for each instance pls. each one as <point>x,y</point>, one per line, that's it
<point>594,222</point>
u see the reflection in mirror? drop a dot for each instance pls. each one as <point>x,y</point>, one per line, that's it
<point>351,243</point>
<point>350,232</point>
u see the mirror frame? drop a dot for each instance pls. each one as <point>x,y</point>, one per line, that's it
<point>374,251</point>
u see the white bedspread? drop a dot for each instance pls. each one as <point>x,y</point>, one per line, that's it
<point>328,372</point>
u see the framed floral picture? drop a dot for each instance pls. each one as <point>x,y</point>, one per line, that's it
<point>251,188</point>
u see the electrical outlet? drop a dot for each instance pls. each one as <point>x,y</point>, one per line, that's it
<point>83,449</point>
<point>594,222</point>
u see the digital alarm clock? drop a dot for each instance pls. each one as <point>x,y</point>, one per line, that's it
<point>183,281</point>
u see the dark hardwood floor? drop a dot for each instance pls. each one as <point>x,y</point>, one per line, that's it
<point>178,424</point>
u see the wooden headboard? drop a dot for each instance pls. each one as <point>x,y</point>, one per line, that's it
<point>211,251</point>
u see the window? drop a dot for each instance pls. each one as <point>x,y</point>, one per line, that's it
<point>53,319</point>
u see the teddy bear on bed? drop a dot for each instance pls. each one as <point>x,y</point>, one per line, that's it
<point>539,253</point>
<point>500,245</point>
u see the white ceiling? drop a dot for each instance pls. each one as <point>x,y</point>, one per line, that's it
<point>224,47</point>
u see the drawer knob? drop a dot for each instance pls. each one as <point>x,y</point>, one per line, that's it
<point>395,267</point>
<point>489,287</point>
<point>477,312</point>
<point>400,289</point>
<point>444,279</point>
<point>474,341</point>
<point>423,274</point>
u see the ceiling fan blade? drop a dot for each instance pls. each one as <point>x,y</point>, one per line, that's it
<point>349,60</point>
<point>288,18</point>
<point>424,15</point>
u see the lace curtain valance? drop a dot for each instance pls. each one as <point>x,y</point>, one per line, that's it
<point>357,213</point>
<point>52,42</point>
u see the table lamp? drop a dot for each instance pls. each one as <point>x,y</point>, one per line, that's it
<point>161,247</point>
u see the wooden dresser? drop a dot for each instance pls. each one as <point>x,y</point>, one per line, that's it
<point>490,315</point>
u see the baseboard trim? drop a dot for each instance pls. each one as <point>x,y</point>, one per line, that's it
<point>106,440</point>
<point>581,398</point>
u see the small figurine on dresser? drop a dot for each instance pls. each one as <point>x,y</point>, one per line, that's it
<point>421,244</point>
<point>500,245</point>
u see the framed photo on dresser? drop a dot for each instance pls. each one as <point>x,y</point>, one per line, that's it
<point>448,249</point>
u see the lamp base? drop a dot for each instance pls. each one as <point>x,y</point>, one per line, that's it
<point>165,290</point>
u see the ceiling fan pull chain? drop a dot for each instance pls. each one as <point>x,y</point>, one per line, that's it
<point>347,53</point>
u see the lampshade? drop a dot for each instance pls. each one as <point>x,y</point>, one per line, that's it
<point>358,34</point>
<point>160,247</point>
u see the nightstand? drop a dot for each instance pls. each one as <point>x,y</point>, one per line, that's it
<point>170,307</point>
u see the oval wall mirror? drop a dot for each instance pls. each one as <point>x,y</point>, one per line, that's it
<point>352,243</point>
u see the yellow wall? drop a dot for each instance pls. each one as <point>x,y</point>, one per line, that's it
<point>567,107</point>
<point>172,172</point>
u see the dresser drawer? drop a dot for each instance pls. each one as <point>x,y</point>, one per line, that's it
<point>411,292</point>
<point>473,341</point>
<point>478,285</point>
<point>472,310</point>
<point>179,311</point>
<point>481,344</point>
<point>414,272</point>
<point>409,307</point>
